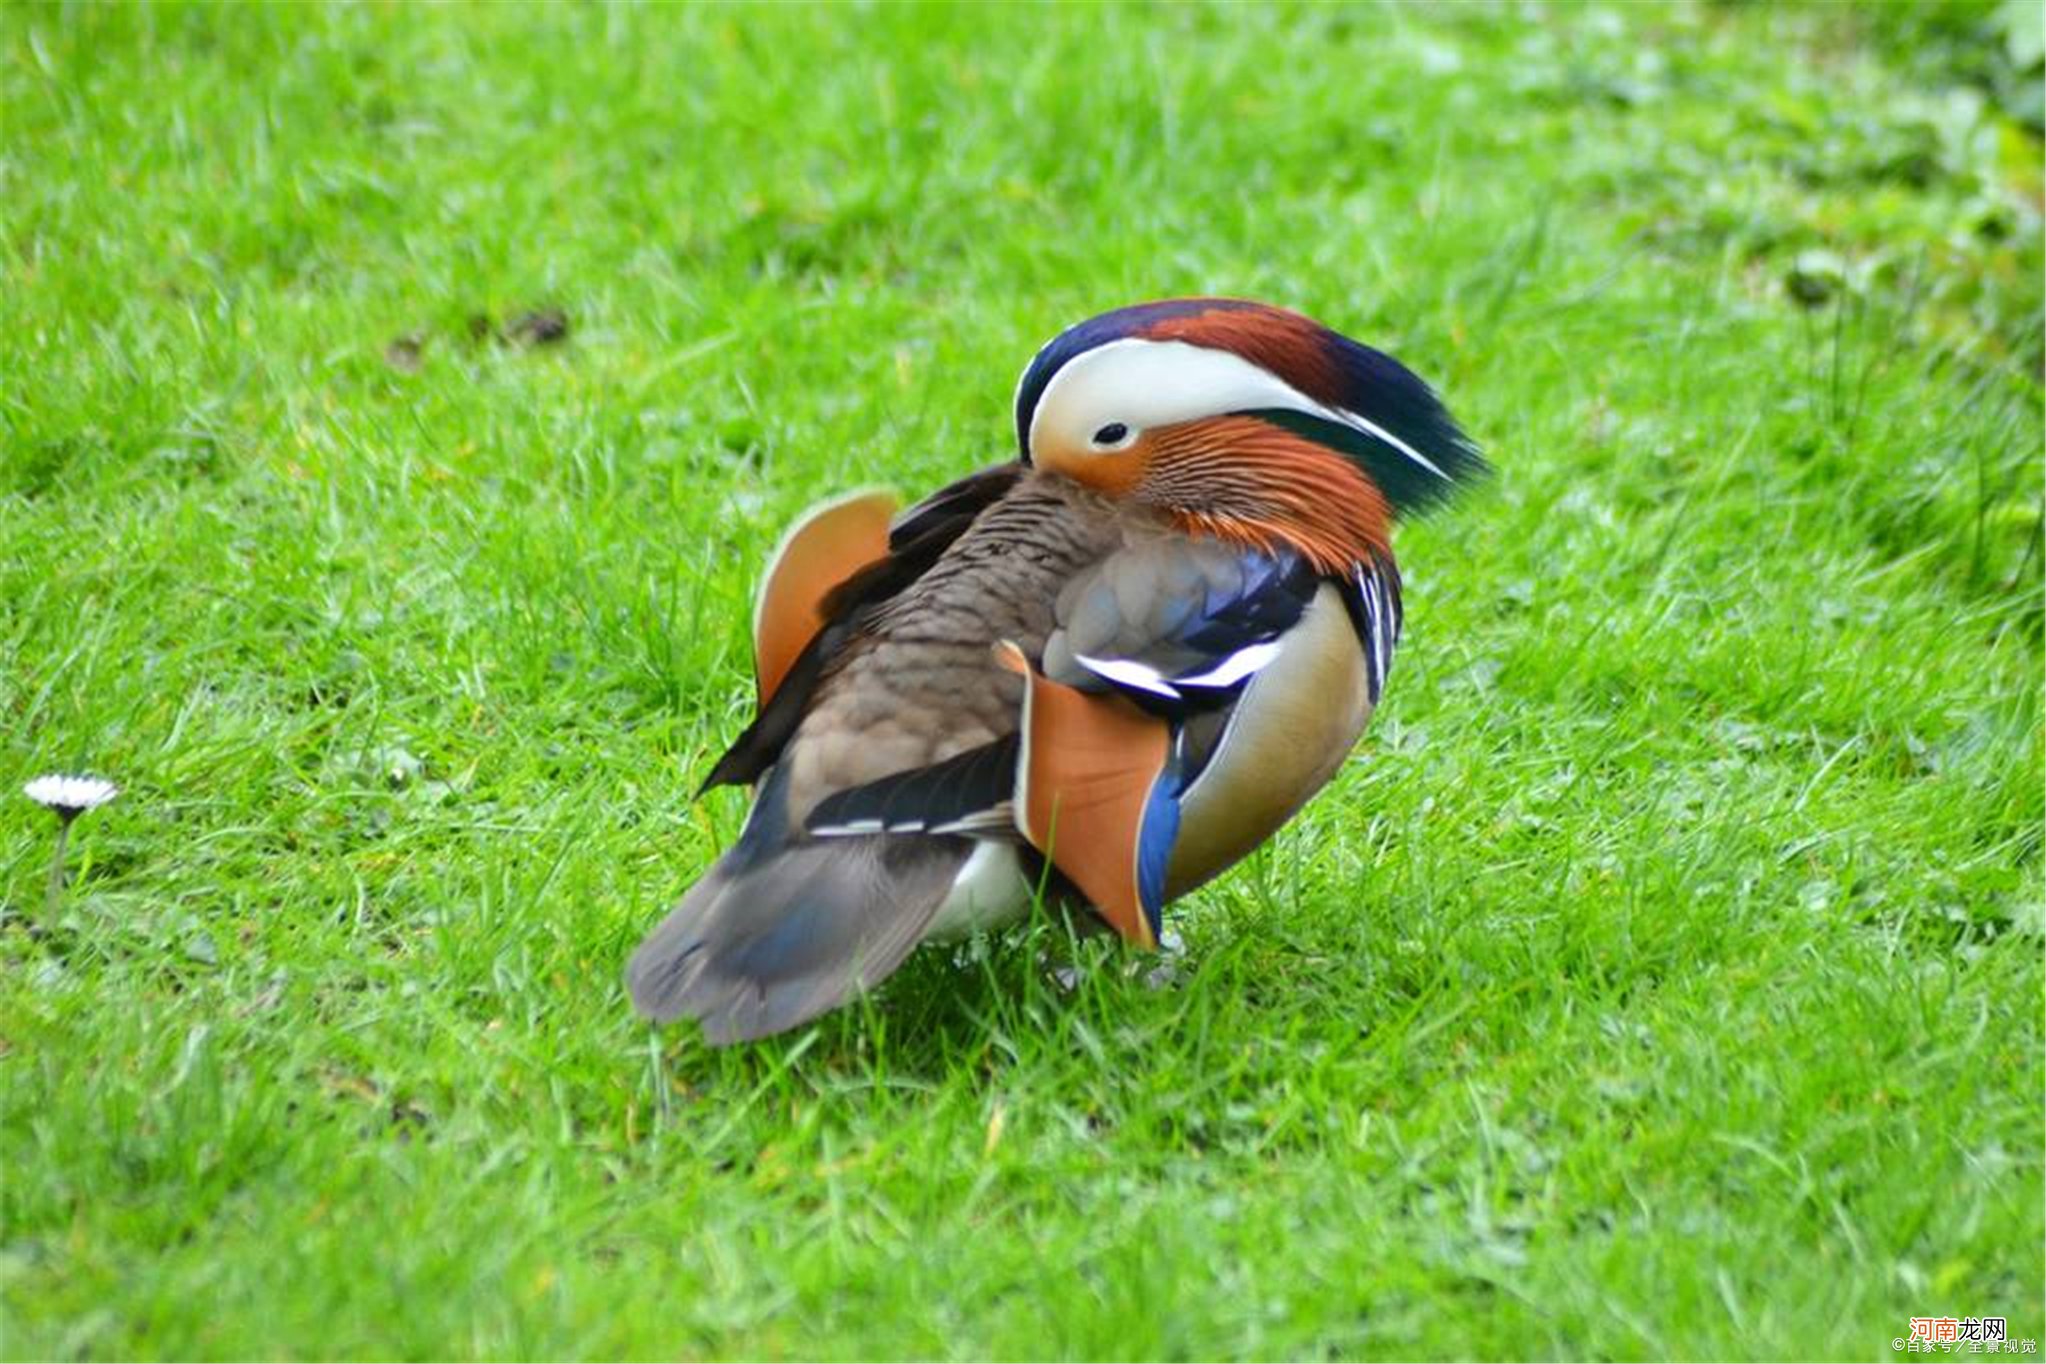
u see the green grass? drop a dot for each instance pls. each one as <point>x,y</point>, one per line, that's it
<point>1663,977</point>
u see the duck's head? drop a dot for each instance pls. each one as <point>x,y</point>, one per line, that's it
<point>1242,420</point>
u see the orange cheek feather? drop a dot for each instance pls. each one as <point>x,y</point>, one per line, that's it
<point>1247,480</point>
<point>1115,474</point>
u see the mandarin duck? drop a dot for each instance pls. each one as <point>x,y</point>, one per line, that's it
<point>1107,669</point>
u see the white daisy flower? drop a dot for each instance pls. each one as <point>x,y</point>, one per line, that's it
<point>70,796</point>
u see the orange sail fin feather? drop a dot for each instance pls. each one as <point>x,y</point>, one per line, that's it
<point>828,545</point>
<point>1085,782</point>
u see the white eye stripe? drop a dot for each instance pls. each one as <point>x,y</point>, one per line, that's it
<point>1143,384</point>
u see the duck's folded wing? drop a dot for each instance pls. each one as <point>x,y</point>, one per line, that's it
<point>841,561</point>
<point>1177,623</point>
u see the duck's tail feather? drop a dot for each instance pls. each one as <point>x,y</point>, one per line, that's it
<point>764,943</point>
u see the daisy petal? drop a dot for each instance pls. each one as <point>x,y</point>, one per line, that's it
<point>70,795</point>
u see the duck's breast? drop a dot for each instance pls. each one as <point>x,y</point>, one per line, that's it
<point>1290,731</point>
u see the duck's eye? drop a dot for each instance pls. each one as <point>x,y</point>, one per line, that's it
<point>1111,433</point>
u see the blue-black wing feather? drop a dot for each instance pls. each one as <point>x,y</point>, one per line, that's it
<point>961,790</point>
<point>1196,653</point>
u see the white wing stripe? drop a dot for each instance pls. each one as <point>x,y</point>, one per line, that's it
<point>1381,623</point>
<point>1129,673</point>
<point>1234,668</point>
<point>852,828</point>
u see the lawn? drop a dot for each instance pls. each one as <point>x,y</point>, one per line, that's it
<point>1662,977</point>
